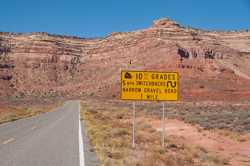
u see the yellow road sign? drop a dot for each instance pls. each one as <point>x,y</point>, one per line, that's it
<point>149,85</point>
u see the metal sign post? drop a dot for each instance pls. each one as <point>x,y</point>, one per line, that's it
<point>133,139</point>
<point>163,126</point>
<point>149,86</point>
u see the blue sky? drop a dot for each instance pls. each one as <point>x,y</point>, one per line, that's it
<point>98,18</point>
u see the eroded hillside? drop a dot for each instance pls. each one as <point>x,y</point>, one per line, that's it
<point>212,65</point>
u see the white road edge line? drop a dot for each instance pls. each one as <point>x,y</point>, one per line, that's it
<point>81,148</point>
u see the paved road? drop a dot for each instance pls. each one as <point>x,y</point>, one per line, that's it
<point>50,139</point>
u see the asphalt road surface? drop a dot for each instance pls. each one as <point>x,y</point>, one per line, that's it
<point>55,138</point>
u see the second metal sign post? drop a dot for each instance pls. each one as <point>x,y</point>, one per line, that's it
<point>149,86</point>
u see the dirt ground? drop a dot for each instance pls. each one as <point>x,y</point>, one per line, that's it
<point>217,127</point>
<point>236,151</point>
<point>202,134</point>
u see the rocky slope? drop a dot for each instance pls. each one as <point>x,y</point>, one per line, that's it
<point>212,65</point>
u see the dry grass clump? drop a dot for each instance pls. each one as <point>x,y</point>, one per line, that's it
<point>109,127</point>
<point>109,138</point>
<point>13,113</point>
<point>209,158</point>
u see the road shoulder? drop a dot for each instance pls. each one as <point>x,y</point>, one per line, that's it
<point>89,154</point>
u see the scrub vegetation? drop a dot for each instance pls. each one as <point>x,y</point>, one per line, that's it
<point>23,110</point>
<point>234,118</point>
<point>109,128</point>
<point>221,116</point>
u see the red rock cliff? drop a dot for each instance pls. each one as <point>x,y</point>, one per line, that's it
<point>212,65</point>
